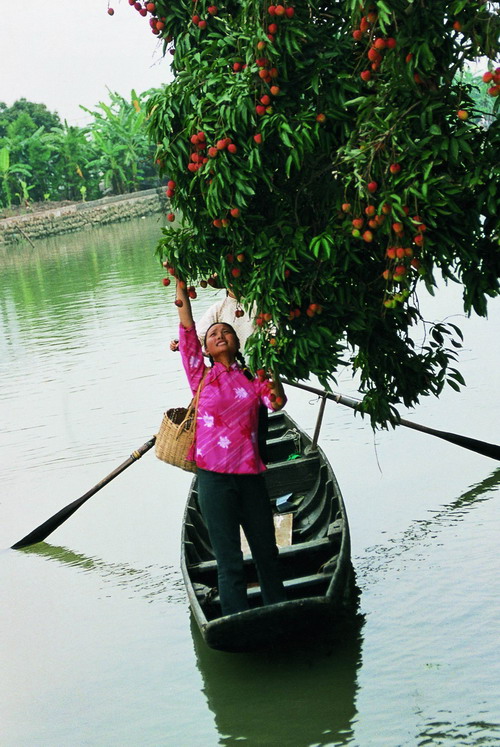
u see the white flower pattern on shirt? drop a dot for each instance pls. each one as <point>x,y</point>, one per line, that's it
<point>224,442</point>
<point>241,392</point>
<point>208,420</point>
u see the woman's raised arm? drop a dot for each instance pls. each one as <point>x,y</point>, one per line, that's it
<point>183,305</point>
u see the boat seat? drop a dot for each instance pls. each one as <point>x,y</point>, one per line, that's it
<point>291,552</point>
<point>279,449</point>
<point>296,584</point>
<point>297,476</point>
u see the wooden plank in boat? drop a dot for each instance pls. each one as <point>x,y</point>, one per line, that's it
<point>283,524</point>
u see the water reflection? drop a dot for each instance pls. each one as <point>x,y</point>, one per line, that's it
<point>154,584</point>
<point>63,292</point>
<point>421,531</point>
<point>295,697</point>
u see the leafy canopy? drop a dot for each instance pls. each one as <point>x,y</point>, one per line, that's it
<point>328,161</point>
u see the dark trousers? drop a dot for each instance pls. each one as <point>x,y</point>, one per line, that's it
<point>226,502</point>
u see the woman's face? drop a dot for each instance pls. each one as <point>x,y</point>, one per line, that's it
<point>221,341</point>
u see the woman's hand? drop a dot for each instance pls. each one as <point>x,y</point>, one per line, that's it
<point>278,397</point>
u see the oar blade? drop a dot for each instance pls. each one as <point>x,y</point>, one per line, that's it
<point>43,531</point>
<point>49,526</point>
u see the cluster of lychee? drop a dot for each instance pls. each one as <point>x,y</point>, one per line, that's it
<point>377,45</point>
<point>170,191</point>
<point>197,159</point>
<point>202,23</point>
<point>264,319</point>
<point>281,10</point>
<point>191,290</point>
<point>401,261</point>
<point>400,258</point>
<point>494,79</point>
<point>263,375</point>
<point>277,12</point>
<point>199,156</point>
<point>266,73</point>
<point>225,221</point>
<point>199,143</point>
<point>157,23</point>
<point>235,271</point>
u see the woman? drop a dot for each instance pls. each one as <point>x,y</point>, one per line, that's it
<point>231,487</point>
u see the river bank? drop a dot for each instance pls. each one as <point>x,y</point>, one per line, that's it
<point>66,217</point>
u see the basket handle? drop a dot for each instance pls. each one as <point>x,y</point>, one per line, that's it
<point>193,405</point>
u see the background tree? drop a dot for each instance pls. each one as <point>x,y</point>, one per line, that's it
<point>66,162</point>
<point>327,162</point>
<point>122,152</point>
<point>71,153</point>
<point>38,113</point>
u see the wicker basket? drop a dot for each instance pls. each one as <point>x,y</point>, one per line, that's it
<point>177,433</point>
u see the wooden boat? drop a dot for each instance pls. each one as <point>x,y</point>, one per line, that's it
<point>315,563</point>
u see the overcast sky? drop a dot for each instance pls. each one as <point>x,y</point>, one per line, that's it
<point>63,53</point>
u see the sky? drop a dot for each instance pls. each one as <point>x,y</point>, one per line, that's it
<point>63,53</point>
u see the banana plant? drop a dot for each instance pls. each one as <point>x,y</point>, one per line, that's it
<point>121,147</point>
<point>71,154</point>
<point>9,174</point>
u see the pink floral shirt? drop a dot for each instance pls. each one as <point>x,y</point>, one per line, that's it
<point>226,426</point>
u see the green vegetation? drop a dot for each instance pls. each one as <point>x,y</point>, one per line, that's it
<point>331,161</point>
<point>42,158</point>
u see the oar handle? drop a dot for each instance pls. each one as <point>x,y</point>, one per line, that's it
<point>480,447</point>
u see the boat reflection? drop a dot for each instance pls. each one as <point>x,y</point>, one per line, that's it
<point>298,697</point>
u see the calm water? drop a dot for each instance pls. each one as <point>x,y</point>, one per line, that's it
<point>97,643</point>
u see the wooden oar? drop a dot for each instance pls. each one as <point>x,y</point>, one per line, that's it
<point>43,531</point>
<point>481,447</point>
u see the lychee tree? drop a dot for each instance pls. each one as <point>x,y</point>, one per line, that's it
<point>327,160</point>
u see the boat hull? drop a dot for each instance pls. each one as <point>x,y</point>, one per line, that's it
<point>315,564</point>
